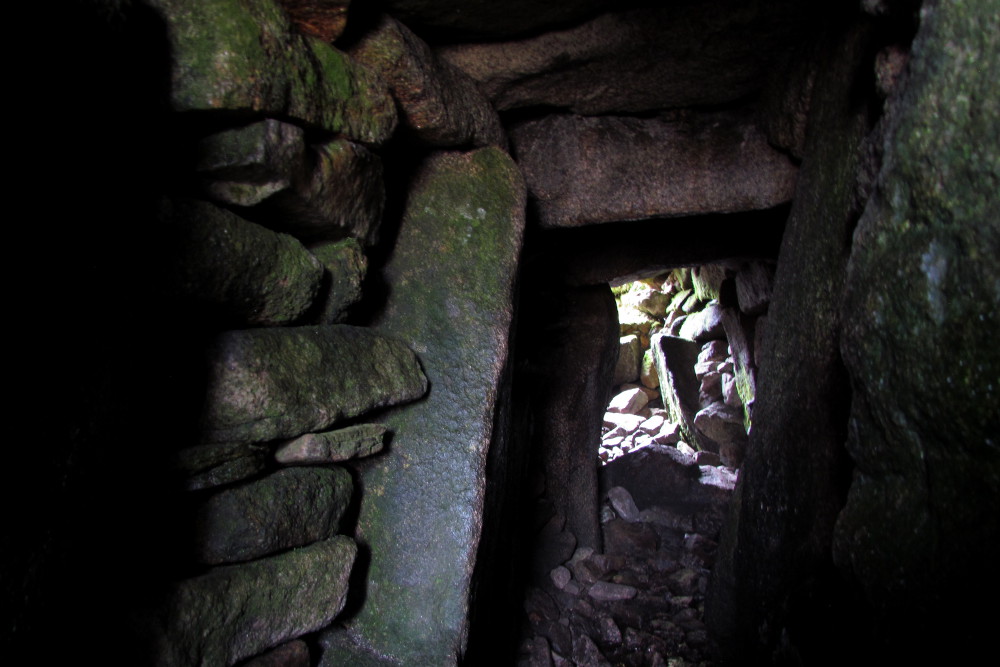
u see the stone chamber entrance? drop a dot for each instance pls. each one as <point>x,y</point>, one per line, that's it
<point>317,355</point>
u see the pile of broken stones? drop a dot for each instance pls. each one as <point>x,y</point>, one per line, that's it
<point>669,455</point>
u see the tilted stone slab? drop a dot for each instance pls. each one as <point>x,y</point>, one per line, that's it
<point>289,508</point>
<point>244,56</point>
<point>265,384</point>
<point>438,102</point>
<point>587,170</point>
<point>675,359</point>
<point>347,443</point>
<point>249,273</point>
<point>451,298</point>
<point>236,611</point>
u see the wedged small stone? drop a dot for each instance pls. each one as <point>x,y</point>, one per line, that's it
<point>584,170</point>
<point>289,508</point>
<point>629,359</point>
<point>560,577</point>
<point>237,611</point>
<point>753,287</point>
<point>345,265</point>
<point>247,58</point>
<point>246,165</point>
<point>704,325</point>
<point>629,401</point>
<point>721,423</point>
<point>206,466</point>
<point>266,384</point>
<point>292,654</point>
<point>323,19</point>
<point>249,274</point>
<point>606,591</point>
<point>621,501</point>
<point>438,102</point>
<point>675,360</point>
<point>730,395</point>
<point>342,195</point>
<point>352,442</point>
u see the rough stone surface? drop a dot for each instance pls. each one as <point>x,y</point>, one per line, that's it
<point>292,654</point>
<point>244,57</point>
<point>289,508</point>
<point>422,511</point>
<point>245,272</point>
<point>246,165</point>
<point>921,315</point>
<point>707,281</point>
<point>214,465</point>
<point>704,325</point>
<point>585,170</point>
<point>629,355</point>
<point>346,266</point>
<point>438,103</point>
<point>341,195</point>
<point>323,19</point>
<point>675,360</point>
<point>355,441</point>
<point>647,372</point>
<point>237,611</point>
<point>792,484</point>
<point>676,55</point>
<point>463,19</point>
<point>265,384</point>
<point>753,287</point>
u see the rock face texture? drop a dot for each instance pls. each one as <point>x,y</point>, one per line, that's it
<point>584,170</point>
<point>920,316</point>
<point>422,514</point>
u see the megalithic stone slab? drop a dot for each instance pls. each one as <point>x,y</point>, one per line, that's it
<point>439,103</point>
<point>237,611</point>
<point>921,314</point>
<point>265,384</point>
<point>244,56</point>
<point>289,508</point>
<point>451,291</point>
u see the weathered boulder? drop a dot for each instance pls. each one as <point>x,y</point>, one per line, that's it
<point>236,611</point>
<point>244,166</point>
<point>245,57</point>
<point>355,441</point>
<point>249,274</point>
<point>774,554</point>
<point>629,359</point>
<point>585,170</point>
<point>707,281</point>
<point>630,401</point>
<point>346,266</point>
<point>265,384</point>
<point>919,531</point>
<point>289,508</point>
<point>422,512</point>
<point>206,466</point>
<point>674,55</point>
<point>323,19</point>
<point>438,103</point>
<point>675,360</point>
<point>724,425</point>
<point>704,325</point>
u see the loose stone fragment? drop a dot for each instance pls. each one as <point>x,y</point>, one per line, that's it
<point>438,102</point>
<point>347,443</point>
<point>244,57</point>
<point>621,501</point>
<point>250,274</point>
<point>246,165</point>
<point>237,611</point>
<point>265,384</point>
<point>289,508</point>
<point>606,591</point>
<point>346,265</point>
<point>560,577</point>
<point>630,401</point>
